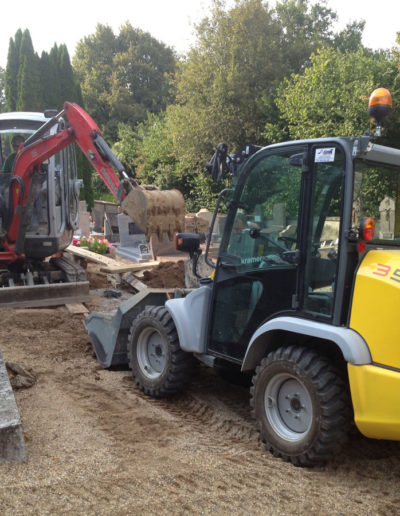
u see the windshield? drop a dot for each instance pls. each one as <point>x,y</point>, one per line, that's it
<point>9,141</point>
<point>376,194</point>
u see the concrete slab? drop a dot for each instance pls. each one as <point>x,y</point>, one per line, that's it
<point>12,442</point>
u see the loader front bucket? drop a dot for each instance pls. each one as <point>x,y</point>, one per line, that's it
<point>109,331</point>
<point>156,211</point>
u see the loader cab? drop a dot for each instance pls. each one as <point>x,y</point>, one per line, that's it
<point>55,209</point>
<point>290,240</point>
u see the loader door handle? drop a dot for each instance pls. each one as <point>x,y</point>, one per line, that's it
<point>231,262</point>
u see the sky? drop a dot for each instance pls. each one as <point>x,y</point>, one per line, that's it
<point>169,21</point>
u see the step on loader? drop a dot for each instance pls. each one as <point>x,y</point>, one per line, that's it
<point>303,296</point>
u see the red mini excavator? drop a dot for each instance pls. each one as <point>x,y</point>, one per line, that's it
<point>39,206</point>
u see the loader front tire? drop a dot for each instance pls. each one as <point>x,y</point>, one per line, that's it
<point>301,405</point>
<point>159,366</point>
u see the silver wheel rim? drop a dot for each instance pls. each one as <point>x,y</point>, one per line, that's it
<point>288,407</point>
<point>151,353</point>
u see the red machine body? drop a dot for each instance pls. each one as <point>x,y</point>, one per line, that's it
<point>31,154</point>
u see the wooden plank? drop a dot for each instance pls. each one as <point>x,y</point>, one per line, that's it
<point>120,268</point>
<point>76,308</point>
<point>133,281</point>
<point>82,252</point>
<point>110,265</point>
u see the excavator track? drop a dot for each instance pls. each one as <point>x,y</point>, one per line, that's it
<point>58,282</point>
<point>44,295</point>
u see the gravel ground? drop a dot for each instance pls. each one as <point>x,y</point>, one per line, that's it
<point>98,446</point>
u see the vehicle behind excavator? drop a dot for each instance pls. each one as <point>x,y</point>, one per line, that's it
<point>39,203</point>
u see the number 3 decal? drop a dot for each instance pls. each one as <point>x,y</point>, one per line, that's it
<point>383,270</point>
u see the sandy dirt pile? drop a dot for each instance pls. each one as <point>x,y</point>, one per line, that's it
<point>166,275</point>
<point>97,445</point>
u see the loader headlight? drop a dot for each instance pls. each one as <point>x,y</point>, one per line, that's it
<point>187,242</point>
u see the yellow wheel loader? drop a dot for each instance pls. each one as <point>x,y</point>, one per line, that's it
<point>303,295</point>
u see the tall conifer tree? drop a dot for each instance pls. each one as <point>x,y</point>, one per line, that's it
<point>28,83</point>
<point>11,89</point>
<point>44,74</point>
<point>68,90</point>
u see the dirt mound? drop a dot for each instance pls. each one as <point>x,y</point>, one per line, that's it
<point>36,319</point>
<point>97,445</point>
<point>166,275</point>
<point>96,278</point>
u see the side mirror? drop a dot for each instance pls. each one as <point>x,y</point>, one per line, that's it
<point>50,113</point>
<point>296,160</point>
<point>217,165</point>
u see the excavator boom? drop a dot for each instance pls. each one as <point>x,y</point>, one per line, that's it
<point>152,210</point>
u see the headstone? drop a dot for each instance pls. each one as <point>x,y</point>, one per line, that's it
<point>133,243</point>
<point>386,219</point>
<point>219,226</point>
<point>100,208</point>
<point>84,219</point>
<point>205,214</point>
<point>190,223</point>
<point>279,214</point>
<point>111,229</point>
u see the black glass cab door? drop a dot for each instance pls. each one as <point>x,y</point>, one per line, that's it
<point>280,252</point>
<point>257,270</point>
<point>321,256</point>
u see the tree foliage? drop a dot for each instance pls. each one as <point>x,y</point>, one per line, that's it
<point>28,83</point>
<point>35,84</point>
<point>226,86</point>
<point>2,91</point>
<point>11,75</point>
<point>258,73</point>
<point>220,84</point>
<point>124,76</point>
<point>330,98</point>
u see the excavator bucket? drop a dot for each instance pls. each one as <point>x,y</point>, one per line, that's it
<point>156,211</point>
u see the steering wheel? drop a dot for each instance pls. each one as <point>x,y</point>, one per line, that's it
<point>288,241</point>
<point>256,233</point>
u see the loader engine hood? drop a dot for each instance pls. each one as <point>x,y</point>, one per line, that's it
<point>376,303</point>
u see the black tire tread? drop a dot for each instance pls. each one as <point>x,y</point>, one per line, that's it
<point>335,404</point>
<point>180,364</point>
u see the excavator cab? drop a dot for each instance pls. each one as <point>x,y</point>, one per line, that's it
<point>14,128</point>
<point>54,210</point>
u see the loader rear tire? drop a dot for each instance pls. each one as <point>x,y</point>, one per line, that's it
<point>301,404</point>
<point>159,366</point>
